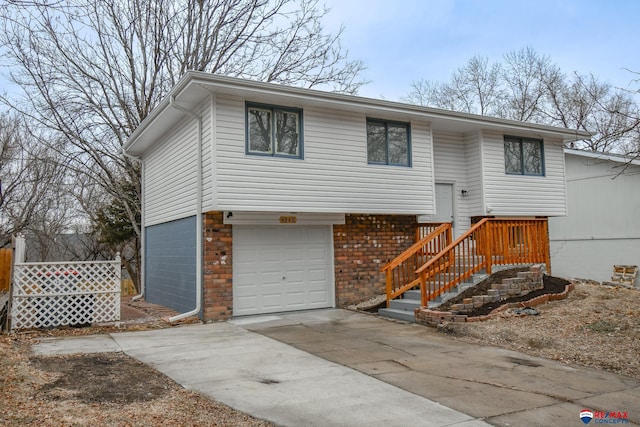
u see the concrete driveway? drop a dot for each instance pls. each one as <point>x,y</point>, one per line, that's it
<point>341,368</point>
<point>499,386</point>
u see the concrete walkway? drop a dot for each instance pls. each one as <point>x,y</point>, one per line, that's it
<point>353,369</point>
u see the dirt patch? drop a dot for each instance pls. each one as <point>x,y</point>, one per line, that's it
<point>102,378</point>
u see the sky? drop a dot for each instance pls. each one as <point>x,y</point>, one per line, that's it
<point>402,41</point>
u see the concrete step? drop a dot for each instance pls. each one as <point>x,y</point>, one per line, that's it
<point>397,314</point>
<point>404,304</point>
<point>477,278</point>
<point>403,308</point>
<point>413,294</point>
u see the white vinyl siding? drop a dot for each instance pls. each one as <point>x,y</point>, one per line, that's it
<point>450,166</point>
<point>208,193</point>
<point>334,175</point>
<point>170,176</point>
<point>475,196</point>
<point>603,202</point>
<point>171,173</point>
<point>602,227</point>
<point>520,195</point>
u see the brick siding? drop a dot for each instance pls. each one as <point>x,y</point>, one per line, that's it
<point>218,268</point>
<point>361,246</point>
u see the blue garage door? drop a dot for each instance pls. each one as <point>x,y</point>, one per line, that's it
<point>170,264</point>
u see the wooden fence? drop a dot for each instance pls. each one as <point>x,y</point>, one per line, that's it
<point>5,268</point>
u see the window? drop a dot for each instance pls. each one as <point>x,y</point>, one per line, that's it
<point>523,156</point>
<point>388,143</point>
<point>274,131</point>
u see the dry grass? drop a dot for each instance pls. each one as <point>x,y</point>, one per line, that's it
<point>596,326</point>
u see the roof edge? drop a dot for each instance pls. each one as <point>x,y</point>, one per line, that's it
<point>618,158</point>
<point>209,79</point>
<point>182,84</point>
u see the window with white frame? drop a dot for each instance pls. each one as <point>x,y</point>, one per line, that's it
<point>274,131</point>
<point>523,156</point>
<point>388,143</point>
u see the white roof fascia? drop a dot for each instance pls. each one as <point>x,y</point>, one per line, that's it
<point>618,158</point>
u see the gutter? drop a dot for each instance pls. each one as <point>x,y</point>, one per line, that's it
<point>592,239</point>
<point>198,307</point>
<point>142,232</point>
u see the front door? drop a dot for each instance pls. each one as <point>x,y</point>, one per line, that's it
<point>444,204</point>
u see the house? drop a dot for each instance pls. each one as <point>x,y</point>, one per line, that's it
<point>602,228</point>
<point>261,198</point>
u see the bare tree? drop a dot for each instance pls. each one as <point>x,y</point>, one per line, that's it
<point>32,181</point>
<point>523,76</point>
<point>529,87</point>
<point>92,70</point>
<point>473,88</point>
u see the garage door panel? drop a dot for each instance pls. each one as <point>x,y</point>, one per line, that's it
<point>295,299</point>
<point>271,255</point>
<point>286,267</point>
<point>293,234</point>
<point>317,297</point>
<point>270,276</point>
<point>294,255</point>
<point>318,255</point>
<point>245,302</point>
<point>317,276</point>
<point>295,276</point>
<point>272,301</point>
<point>317,234</point>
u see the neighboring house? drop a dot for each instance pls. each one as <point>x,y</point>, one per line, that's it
<point>264,198</point>
<point>602,228</point>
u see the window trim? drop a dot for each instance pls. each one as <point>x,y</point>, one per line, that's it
<point>521,140</point>
<point>386,124</point>
<point>273,109</point>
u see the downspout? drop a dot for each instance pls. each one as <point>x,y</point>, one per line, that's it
<point>196,310</point>
<point>142,233</point>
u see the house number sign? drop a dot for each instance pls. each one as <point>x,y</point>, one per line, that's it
<point>290,219</point>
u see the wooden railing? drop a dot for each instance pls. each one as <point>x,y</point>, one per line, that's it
<point>426,228</point>
<point>401,272</point>
<point>492,241</point>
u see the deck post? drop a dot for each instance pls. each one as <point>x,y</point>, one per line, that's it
<point>488,243</point>
<point>545,244</point>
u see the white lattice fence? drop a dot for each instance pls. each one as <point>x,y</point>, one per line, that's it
<point>49,294</point>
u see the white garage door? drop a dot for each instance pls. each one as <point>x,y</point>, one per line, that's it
<point>281,268</point>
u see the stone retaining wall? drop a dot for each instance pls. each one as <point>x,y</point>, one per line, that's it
<point>524,283</point>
